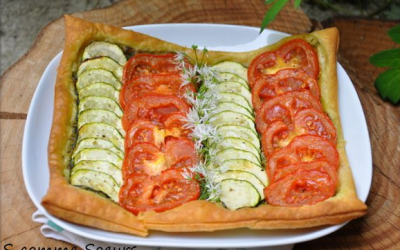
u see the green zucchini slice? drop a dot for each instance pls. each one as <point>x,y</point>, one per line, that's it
<point>100,48</point>
<point>97,75</point>
<point>99,89</point>
<point>103,62</point>
<point>232,67</point>
<point>237,194</point>
<point>100,115</point>
<point>99,102</point>
<point>94,154</point>
<point>97,143</point>
<point>102,131</point>
<point>101,166</point>
<point>98,181</point>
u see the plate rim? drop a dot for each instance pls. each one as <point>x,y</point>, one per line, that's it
<point>147,241</point>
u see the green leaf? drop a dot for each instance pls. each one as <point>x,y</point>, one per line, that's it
<point>388,85</point>
<point>272,13</point>
<point>394,33</point>
<point>269,1</point>
<point>386,58</point>
<point>297,3</point>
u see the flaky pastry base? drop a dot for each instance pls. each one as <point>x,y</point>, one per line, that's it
<point>87,208</point>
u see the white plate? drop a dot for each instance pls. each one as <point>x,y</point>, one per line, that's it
<point>38,124</point>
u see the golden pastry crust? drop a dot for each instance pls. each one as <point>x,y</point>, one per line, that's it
<point>83,207</point>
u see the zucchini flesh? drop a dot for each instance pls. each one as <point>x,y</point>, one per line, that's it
<point>100,102</point>
<point>103,62</point>
<point>98,155</point>
<point>100,115</point>
<point>237,194</point>
<point>99,89</point>
<point>101,48</point>
<point>97,143</point>
<point>235,152</point>
<point>97,75</point>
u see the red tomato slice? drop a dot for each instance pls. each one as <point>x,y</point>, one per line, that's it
<point>278,135</point>
<point>303,148</point>
<point>259,64</point>
<point>163,84</point>
<point>302,54</point>
<point>154,108</point>
<point>180,153</point>
<point>296,53</point>
<point>144,158</point>
<point>142,130</point>
<point>303,184</point>
<point>157,193</point>
<point>144,64</point>
<point>286,80</point>
<point>175,125</point>
<point>284,107</point>
<point>311,121</point>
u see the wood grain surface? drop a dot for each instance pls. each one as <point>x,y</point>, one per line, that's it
<point>378,230</point>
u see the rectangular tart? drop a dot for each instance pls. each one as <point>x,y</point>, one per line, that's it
<point>85,207</point>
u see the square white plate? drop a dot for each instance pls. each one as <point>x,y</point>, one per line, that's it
<point>37,131</point>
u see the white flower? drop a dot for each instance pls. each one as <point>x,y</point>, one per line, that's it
<point>180,57</point>
<point>192,119</point>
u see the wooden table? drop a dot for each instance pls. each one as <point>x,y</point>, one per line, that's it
<point>379,229</point>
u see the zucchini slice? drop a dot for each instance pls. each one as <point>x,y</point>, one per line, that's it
<point>236,154</point>
<point>247,134</point>
<point>99,102</point>
<point>97,143</point>
<point>100,48</point>
<point>232,118</point>
<point>226,76</point>
<point>94,154</point>
<point>97,75</point>
<point>236,143</point>
<point>235,98</point>
<point>237,194</point>
<point>101,166</point>
<point>229,106</point>
<point>100,115</point>
<point>235,88</point>
<point>244,176</point>
<point>102,131</point>
<point>244,165</point>
<point>98,181</point>
<point>103,62</point>
<point>232,67</point>
<point>99,89</point>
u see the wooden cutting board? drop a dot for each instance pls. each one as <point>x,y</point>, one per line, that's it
<point>379,229</point>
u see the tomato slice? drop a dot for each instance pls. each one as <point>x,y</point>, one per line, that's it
<point>180,153</point>
<point>295,53</point>
<point>311,121</point>
<point>302,55</point>
<point>157,193</point>
<point>154,108</point>
<point>303,148</point>
<point>284,107</point>
<point>286,80</point>
<point>278,135</point>
<point>303,184</point>
<point>259,64</point>
<point>142,130</point>
<point>144,158</point>
<point>164,84</point>
<point>175,125</point>
<point>144,64</point>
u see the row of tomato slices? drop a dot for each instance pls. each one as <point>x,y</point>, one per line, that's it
<point>158,150</point>
<point>298,138</point>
